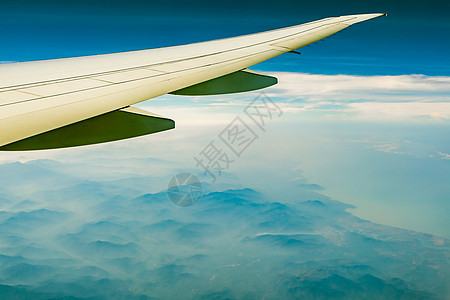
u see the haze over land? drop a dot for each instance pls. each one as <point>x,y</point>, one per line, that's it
<point>69,232</point>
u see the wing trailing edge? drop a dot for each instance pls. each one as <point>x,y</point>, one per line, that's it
<point>117,125</point>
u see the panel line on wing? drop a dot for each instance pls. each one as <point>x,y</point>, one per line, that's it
<point>127,81</point>
<point>132,80</point>
<point>16,87</point>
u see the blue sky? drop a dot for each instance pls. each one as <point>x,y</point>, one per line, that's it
<point>362,141</point>
<point>412,40</point>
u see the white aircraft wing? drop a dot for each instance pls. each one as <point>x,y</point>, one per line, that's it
<point>85,100</point>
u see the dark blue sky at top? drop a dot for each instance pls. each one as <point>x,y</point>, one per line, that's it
<point>413,39</point>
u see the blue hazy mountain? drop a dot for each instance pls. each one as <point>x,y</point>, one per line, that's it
<point>89,239</point>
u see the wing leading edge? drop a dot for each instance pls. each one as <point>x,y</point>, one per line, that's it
<point>42,96</point>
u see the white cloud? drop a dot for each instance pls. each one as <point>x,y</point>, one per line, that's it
<point>443,155</point>
<point>380,98</point>
<point>406,88</point>
<point>366,97</point>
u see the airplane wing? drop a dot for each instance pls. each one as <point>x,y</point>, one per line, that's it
<point>85,100</point>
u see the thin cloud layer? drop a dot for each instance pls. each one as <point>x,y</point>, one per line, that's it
<point>402,88</point>
<point>366,97</point>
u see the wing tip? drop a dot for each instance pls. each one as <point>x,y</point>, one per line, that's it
<point>353,19</point>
